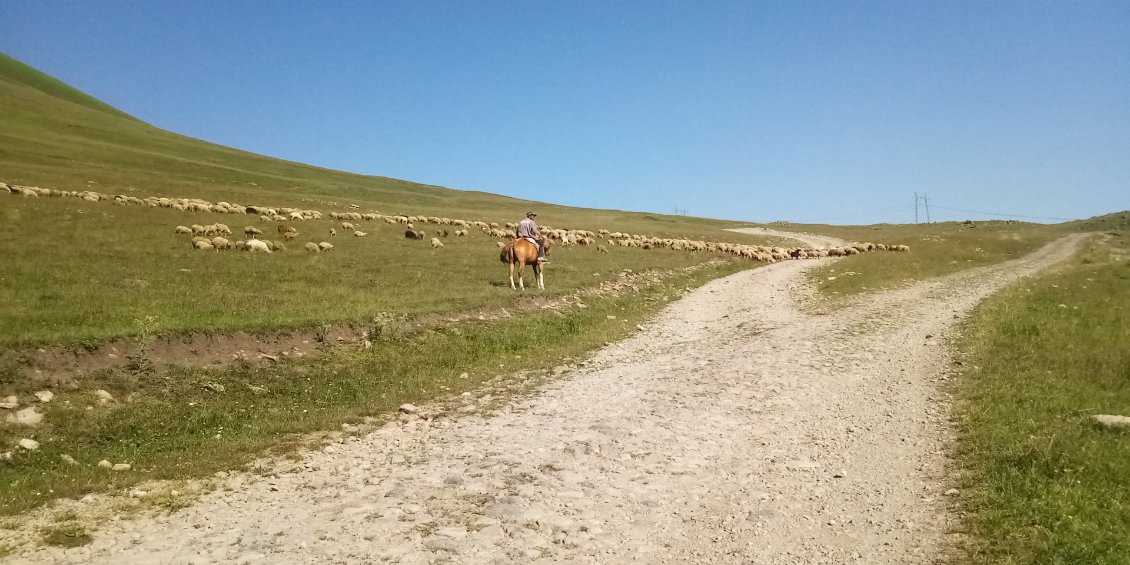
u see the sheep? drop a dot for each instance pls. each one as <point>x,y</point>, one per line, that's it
<point>241,246</point>
<point>333,232</point>
<point>347,226</point>
<point>436,243</point>
<point>360,233</point>
<point>500,244</point>
<point>290,235</point>
<point>221,243</point>
<point>202,244</point>
<point>251,231</point>
<point>184,229</point>
<point>409,234</point>
<point>311,246</point>
<point>325,246</point>
<point>285,229</point>
<point>443,233</point>
<point>276,246</point>
<point>254,245</point>
<point>602,249</point>
<point>223,229</point>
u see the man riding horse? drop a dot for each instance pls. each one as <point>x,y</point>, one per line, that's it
<point>527,229</point>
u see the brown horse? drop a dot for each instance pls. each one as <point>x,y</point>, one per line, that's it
<point>520,253</point>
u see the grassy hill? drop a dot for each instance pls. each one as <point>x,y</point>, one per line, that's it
<point>54,136</point>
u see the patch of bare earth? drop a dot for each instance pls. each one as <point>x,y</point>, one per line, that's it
<point>55,366</point>
<point>734,428</point>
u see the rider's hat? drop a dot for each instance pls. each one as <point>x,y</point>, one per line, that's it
<point>528,214</point>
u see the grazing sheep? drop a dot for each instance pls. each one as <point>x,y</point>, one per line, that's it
<point>333,232</point>
<point>202,244</point>
<point>347,226</point>
<point>602,249</point>
<point>276,246</point>
<point>325,246</point>
<point>409,234</point>
<point>197,229</point>
<point>500,244</point>
<point>285,229</point>
<point>311,246</point>
<point>184,229</point>
<point>436,243</point>
<point>241,246</point>
<point>250,231</point>
<point>221,243</point>
<point>223,229</point>
<point>290,235</point>
<point>360,233</point>
<point>443,233</point>
<point>254,245</point>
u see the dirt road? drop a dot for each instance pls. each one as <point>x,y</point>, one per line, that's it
<point>809,239</point>
<point>734,428</point>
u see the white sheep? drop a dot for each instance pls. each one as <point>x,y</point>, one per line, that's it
<point>254,245</point>
<point>333,232</point>
<point>359,233</point>
<point>326,246</point>
<point>436,243</point>
<point>311,246</point>
<point>202,244</point>
<point>184,229</point>
<point>347,226</point>
<point>252,231</point>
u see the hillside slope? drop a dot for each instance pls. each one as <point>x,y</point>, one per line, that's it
<point>54,136</point>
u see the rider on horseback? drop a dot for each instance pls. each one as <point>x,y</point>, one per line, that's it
<point>529,230</point>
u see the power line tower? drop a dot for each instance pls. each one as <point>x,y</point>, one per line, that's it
<point>925,198</point>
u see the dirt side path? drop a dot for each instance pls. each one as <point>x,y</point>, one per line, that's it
<point>809,239</point>
<point>732,429</point>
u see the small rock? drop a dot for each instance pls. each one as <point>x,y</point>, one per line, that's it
<point>44,395</point>
<point>68,459</point>
<point>839,474</point>
<point>1111,421</point>
<point>138,493</point>
<point>27,417</point>
<point>464,376</point>
<point>121,467</point>
<point>105,464</point>
<point>408,408</point>
<point>951,492</point>
<point>29,444</point>
<point>215,387</point>
<point>269,357</point>
<point>103,396</point>
<point>611,317</point>
<point>9,402</point>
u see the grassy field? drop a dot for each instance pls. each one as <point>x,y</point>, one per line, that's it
<point>188,423</point>
<point>1039,482</point>
<point>935,249</point>
<point>79,271</point>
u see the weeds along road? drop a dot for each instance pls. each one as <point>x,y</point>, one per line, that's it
<point>734,428</point>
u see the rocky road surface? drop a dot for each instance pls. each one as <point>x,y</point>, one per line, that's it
<point>809,239</point>
<point>733,428</point>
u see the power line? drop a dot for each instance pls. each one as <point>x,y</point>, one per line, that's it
<point>1002,215</point>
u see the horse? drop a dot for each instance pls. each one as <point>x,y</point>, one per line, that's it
<point>521,252</point>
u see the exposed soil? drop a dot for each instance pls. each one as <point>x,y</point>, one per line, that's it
<point>59,366</point>
<point>734,428</point>
<point>809,239</point>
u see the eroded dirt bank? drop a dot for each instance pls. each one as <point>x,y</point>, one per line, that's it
<point>734,428</point>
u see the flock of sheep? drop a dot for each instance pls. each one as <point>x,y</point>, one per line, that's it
<point>216,236</point>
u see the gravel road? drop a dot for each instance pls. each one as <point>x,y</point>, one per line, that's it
<point>733,428</point>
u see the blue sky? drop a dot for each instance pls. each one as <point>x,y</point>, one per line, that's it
<point>831,112</point>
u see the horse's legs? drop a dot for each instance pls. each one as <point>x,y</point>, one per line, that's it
<point>510,269</point>
<point>541,277</point>
<point>522,275</point>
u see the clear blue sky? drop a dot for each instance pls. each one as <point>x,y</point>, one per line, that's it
<point>806,111</point>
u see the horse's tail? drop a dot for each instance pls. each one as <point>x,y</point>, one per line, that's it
<point>507,254</point>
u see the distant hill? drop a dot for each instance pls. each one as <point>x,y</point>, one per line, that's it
<point>55,136</point>
<point>1115,221</point>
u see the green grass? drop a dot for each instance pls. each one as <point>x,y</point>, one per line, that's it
<point>1038,481</point>
<point>77,272</point>
<point>935,250</point>
<point>166,424</point>
<point>66,535</point>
